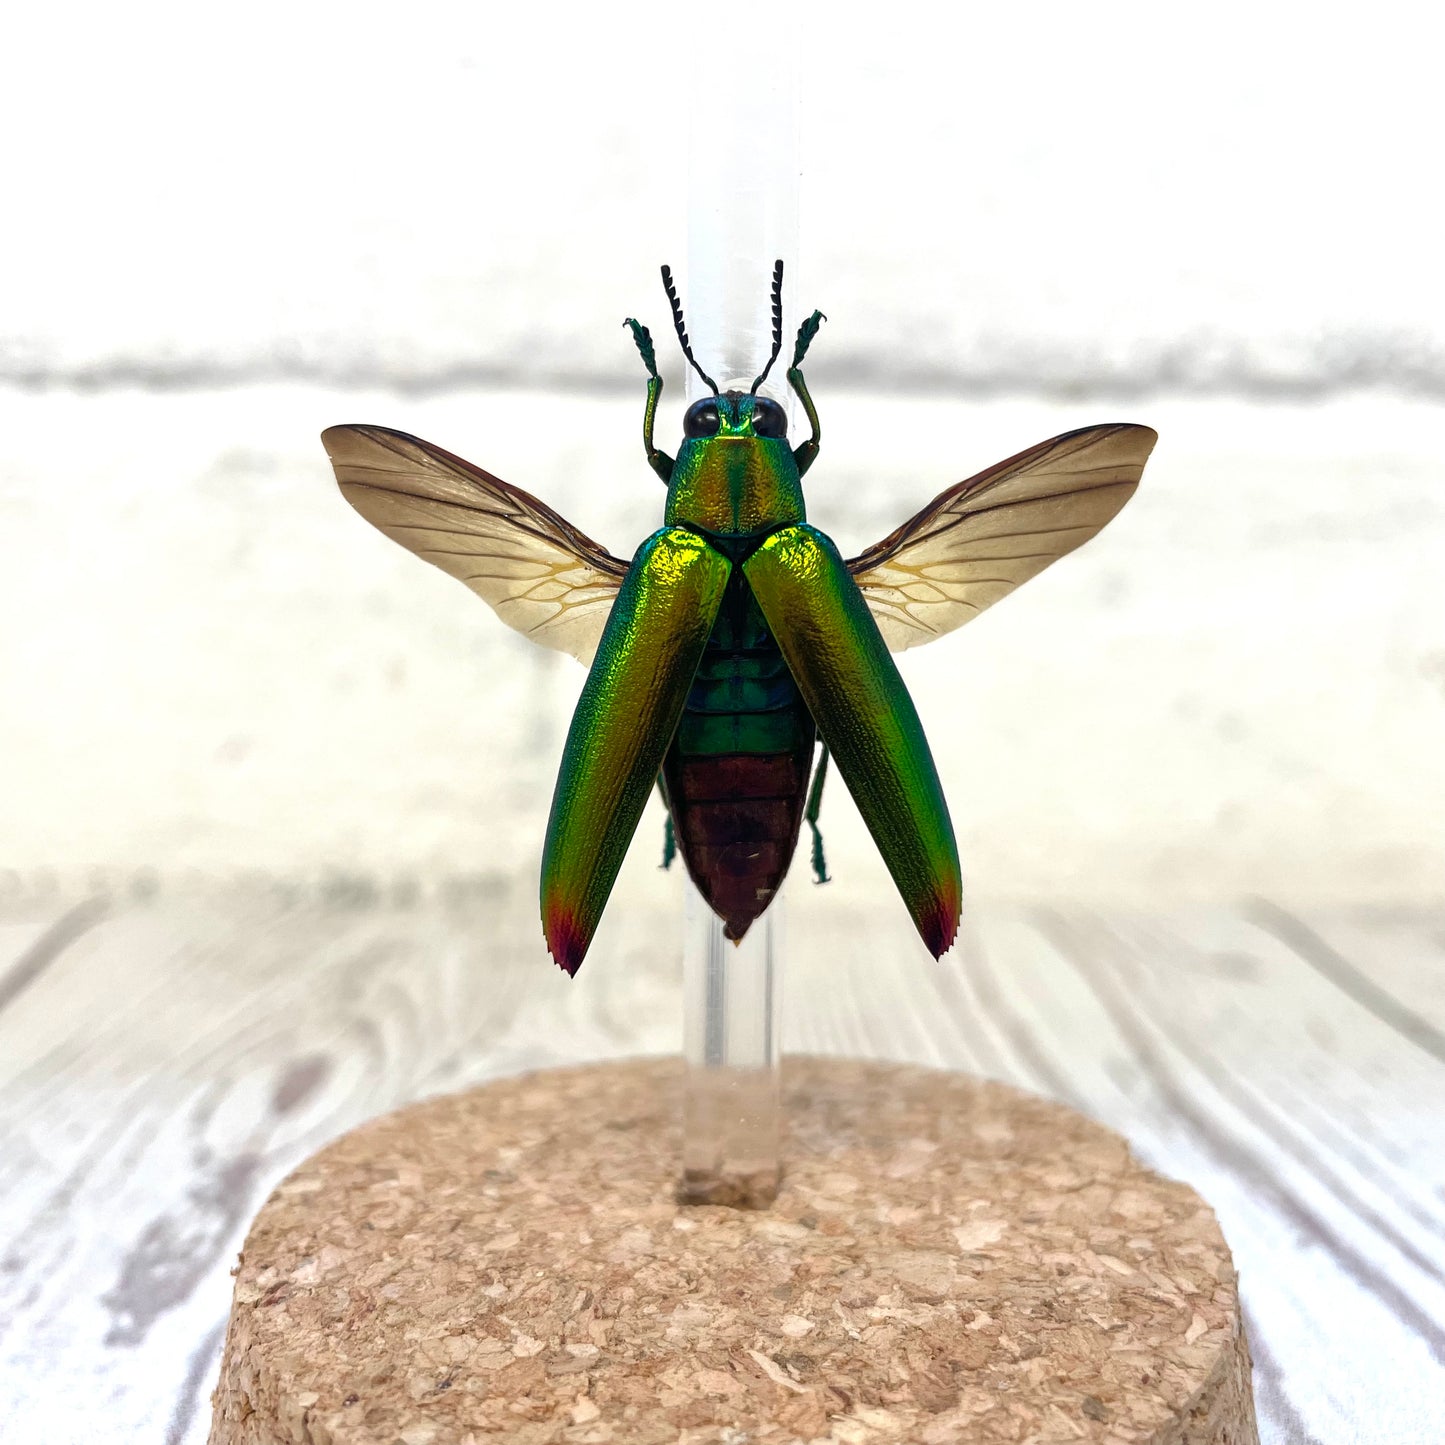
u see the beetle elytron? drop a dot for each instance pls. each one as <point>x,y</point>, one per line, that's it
<point>738,634</point>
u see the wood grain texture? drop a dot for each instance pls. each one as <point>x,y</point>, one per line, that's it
<point>163,1066</point>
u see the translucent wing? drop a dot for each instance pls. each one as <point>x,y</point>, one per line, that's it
<point>538,572</point>
<point>981,538</point>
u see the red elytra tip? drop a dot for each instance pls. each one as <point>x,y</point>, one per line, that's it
<point>566,942</point>
<point>939,926</point>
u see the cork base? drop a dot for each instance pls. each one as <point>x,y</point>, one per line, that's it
<point>948,1260</point>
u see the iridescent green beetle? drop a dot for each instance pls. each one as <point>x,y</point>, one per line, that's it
<point>738,634</point>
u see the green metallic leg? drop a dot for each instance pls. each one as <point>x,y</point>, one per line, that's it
<point>660,462</point>
<point>815,802</point>
<point>805,453</point>
<point>669,835</point>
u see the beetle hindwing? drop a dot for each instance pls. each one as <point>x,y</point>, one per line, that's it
<point>980,539</point>
<point>536,570</point>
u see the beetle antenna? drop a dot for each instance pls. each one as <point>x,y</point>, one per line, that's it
<point>677,321</point>
<point>777,325</point>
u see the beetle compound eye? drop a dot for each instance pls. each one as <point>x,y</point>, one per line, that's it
<point>769,419</point>
<point>701,419</point>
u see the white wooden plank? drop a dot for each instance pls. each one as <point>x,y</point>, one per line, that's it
<point>1337,1257</point>
<point>171,1062</point>
<point>1339,1278</point>
<point>170,1067</point>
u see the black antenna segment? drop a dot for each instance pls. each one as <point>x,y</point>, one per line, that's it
<point>777,325</point>
<point>677,321</point>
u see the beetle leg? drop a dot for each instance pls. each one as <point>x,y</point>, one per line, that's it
<point>624,722</point>
<point>851,686</point>
<point>669,835</point>
<point>805,452</point>
<point>815,801</point>
<point>660,462</point>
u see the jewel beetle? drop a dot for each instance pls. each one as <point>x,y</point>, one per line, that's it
<point>739,637</point>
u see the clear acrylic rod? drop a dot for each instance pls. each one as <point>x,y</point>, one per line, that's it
<point>742,197</point>
<point>731,995</point>
<point>742,216</point>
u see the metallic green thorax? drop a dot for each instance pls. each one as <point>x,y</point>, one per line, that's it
<point>736,577</point>
<point>735,484</point>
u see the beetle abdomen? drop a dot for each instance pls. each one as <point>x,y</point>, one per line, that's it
<point>737,821</point>
<point>736,774</point>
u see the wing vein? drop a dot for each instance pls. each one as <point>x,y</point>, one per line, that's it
<point>955,531</point>
<point>414,492</point>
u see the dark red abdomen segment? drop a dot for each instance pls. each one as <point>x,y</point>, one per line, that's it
<point>736,775</point>
<point>737,820</point>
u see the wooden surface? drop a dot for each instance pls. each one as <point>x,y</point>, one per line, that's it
<point>948,1260</point>
<point>165,1058</point>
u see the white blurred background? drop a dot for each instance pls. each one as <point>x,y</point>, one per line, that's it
<point>231,228</point>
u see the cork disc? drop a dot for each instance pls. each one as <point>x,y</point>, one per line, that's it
<point>948,1260</point>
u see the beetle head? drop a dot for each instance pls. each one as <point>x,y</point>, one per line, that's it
<point>735,475</point>
<point>735,413</point>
